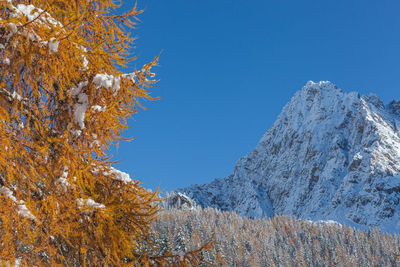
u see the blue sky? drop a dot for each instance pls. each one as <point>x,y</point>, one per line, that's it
<point>229,66</point>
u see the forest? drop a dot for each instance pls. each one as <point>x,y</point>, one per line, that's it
<point>278,241</point>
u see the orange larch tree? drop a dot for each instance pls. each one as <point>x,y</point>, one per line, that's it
<point>63,103</point>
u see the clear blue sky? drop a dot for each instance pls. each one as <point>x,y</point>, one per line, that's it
<point>229,66</point>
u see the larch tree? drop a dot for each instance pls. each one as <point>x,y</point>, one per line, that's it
<point>63,102</point>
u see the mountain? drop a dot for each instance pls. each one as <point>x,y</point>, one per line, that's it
<point>329,155</point>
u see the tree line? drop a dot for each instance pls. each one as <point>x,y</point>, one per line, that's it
<point>279,241</point>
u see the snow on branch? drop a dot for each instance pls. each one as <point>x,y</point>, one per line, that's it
<point>90,203</point>
<point>22,209</point>
<point>34,16</point>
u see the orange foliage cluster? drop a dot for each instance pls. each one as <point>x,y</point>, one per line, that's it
<point>63,102</point>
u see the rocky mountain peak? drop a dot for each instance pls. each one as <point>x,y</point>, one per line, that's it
<point>320,86</point>
<point>329,156</point>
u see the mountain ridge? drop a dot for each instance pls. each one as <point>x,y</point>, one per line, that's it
<point>329,156</point>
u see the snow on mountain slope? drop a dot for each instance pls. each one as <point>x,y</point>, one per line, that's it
<point>329,156</point>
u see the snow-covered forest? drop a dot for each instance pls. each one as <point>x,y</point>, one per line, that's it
<point>279,241</point>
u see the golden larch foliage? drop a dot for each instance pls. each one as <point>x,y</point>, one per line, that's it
<point>63,102</point>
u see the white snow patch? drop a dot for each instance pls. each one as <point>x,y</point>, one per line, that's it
<point>27,10</point>
<point>7,192</point>
<point>24,212</point>
<point>22,209</point>
<point>38,17</point>
<point>77,89</point>
<point>119,175</point>
<point>130,76</point>
<point>17,96</point>
<point>89,203</point>
<point>81,105</point>
<point>53,45</point>
<point>80,109</point>
<point>63,180</point>
<point>107,81</point>
<point>98,108</point>
<point>85,62</point>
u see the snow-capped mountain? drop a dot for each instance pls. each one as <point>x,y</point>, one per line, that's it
<point>329,156</point>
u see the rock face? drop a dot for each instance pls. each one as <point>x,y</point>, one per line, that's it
<point>179,201</point>
<point>329,156</point>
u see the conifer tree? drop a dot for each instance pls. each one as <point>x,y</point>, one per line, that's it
<point>165,244</point>
<point>180,244</point>
<point>63,102</point>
